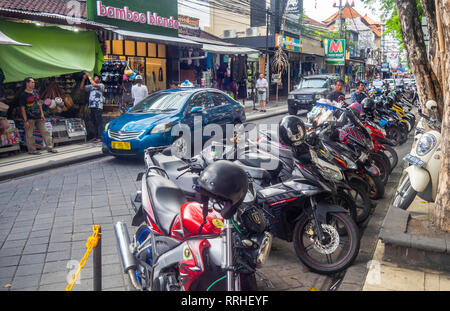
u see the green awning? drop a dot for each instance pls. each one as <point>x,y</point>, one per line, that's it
<point>54,51</point>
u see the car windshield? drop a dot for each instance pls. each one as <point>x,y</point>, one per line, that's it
<point>312,83</point>
<point>161,103</point>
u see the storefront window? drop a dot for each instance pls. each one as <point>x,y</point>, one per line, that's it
<point>151,50</point>
<point>161,51</point>
<point>130,48</point>
<point>156,74</point>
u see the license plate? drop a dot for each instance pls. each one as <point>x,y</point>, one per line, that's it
<point>121,145</point>
<point>413,160</point>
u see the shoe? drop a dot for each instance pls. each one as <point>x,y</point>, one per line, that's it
<point>98,140</point>
<point>35,152</point>
<point>92,140</point>
<point>52,150</point>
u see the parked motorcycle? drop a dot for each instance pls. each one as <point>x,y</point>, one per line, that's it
<point>215,243</point>
<point>299,209</point>
<point>422,175</point>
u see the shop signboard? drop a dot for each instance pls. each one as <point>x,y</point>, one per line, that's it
<point>385,67</point>
<point>335,52</point>
<point>149,16</point>
<point>288,43</point>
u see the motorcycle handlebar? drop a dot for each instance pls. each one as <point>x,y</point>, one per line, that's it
<point>183,168</point>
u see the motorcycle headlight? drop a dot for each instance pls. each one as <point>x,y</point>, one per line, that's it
<point>162,128</point>
<point>425,144</point>
<point>332,174</point>
<point>291,96</point>
<point>350,163</point>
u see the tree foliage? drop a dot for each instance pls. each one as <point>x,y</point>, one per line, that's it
<point>389,16</point>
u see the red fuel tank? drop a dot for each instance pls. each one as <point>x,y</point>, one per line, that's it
<point>189,220</point>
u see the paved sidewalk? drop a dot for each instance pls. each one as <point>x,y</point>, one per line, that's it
<point>386,276</point>
<point>24,164</point>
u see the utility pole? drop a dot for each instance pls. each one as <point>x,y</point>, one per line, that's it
<point>267,41</point>
<point>300,21</point>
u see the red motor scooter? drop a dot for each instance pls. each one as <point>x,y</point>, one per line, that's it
<point>216,243</point>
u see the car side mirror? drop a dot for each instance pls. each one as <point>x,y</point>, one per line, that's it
<point>196,110</point>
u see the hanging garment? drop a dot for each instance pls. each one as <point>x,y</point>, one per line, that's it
<point>160,75</point>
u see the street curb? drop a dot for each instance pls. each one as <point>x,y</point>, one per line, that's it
<point>49,165</point>
<point>355,275</point>
<point>267,115</point>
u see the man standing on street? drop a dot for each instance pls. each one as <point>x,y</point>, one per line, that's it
<point>95,89</point>
<point>33,115</point>
<point>139,91</point>
<point>261,87</point>
<point>338,87</point>
<point>359,94</point>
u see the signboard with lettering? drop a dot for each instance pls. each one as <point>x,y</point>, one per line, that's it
<point>150,16</point>
<point>335,52</point>
<point>288,43</point>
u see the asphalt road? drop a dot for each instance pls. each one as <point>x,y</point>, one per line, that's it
<point>46,218</point>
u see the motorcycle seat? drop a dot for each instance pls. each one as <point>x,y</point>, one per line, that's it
<point>165,199</point>
<point>255,172</point>
<point>267,162</point>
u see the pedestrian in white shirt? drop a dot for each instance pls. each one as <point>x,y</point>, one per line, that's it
<point>138,91</point>
<point>261,87</point>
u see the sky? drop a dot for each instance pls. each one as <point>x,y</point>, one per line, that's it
<point>325,9</point>
<point>315,9</point>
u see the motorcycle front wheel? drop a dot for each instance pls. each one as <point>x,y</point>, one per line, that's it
<point>362,201</point>
<point>376,186</point>
<point>383,164</point>
<point>392,156</point>
<point>405,194</point>
<point>336,252</point>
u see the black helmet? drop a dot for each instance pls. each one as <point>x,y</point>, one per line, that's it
<point>224,181</point>
<point>368,104</point>
<point>291,131</point>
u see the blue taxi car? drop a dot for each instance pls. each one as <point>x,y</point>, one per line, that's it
<point>150,123</point>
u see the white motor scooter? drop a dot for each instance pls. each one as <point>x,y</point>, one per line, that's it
<point>422,175</point>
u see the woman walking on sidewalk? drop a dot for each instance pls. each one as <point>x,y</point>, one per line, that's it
<point>33,115</point>
<point>261,87</point>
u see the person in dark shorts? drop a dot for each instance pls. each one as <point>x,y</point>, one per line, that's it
<point>95,89</point>
<point>33,115</point>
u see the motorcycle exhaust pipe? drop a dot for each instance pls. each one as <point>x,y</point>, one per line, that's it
<point>123,241</point>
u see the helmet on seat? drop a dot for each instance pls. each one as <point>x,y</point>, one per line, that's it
<point>291,131</point>
<point>224,181</point>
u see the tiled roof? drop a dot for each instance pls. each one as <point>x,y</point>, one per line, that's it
<point>376,31</point>
<point>370,21</point>
<point>313,22</point>
<point>60,7</point>
<point>347,12</point>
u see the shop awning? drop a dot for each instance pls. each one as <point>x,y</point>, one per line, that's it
<point>5,40</point>
<point>54,51</point>
<point>221,49</point>
<point>158,38</point>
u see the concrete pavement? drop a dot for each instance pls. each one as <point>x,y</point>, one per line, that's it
<point>24,164</point>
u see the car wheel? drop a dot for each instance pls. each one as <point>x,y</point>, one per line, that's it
<point>292,110</point>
